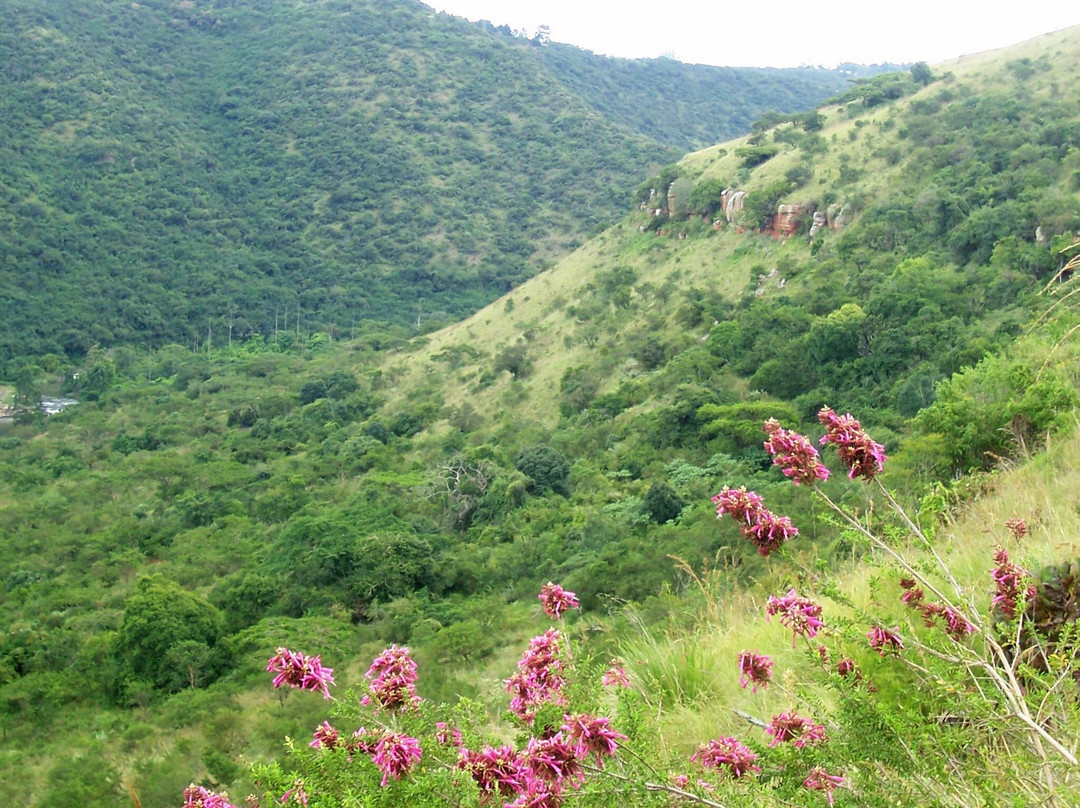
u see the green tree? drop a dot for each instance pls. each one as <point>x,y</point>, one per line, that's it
<point>920,72</point>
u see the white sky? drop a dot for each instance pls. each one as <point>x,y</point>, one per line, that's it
<point>779,33</point>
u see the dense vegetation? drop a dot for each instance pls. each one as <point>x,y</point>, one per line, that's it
<point>187,173</point>
<point>196,510</point>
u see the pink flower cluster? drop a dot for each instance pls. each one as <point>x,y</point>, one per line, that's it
<point>754,669</point>
<point>1017,526</point>
<point>956,625</point>
<point>301,671</point>
<point>794,454</point>
<point>393,680</point>
<point>800,614</point>
<point>297,795</point>
<point>615,676</point>
<point>726,754</point>
<point>393,753</point>
<point>884,640</point>
<point>447,735</point>
<point>557,600</point>
<point>1008,581</point>
<point>198,797</point>
<point>801,732</point>
<point>539,678</point>
<point>821,780</point>
<point>538,775</point>
<point>862,456</point>
<point>592,735</point>
<point>764,528</point>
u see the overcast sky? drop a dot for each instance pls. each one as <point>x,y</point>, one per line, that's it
<point>779,33</point>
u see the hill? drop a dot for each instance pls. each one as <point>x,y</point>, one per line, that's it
<point>196,172</point>
<point>197,510</point>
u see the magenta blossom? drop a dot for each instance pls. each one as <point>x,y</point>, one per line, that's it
<point>821,780</point>
<point>862,456</point>
<point>557,600</point>
<point>1017,526</point>
<point>554,760</point>
<point>800,614</point>
<point>447,735</point>
<point>794,454</point>
<point>325,737</point>
<point>757,523</point>
<point>296,794</point>
<point>792,727</point>
<point>301,671</point>
<point>364,740</point>
<point>615,676</point>
<point>592,735</point>
<point>393,680</point>
<point>726,754</point>
<point>539,678</point>
<point>395,754</point>
<point>884,640</point>
<point>1008,583</point>
<point>198,797</point>
<point>754,669</point>
<point>497,771</point>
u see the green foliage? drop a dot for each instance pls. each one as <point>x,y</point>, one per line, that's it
<point>547,469</point>
<point>752,156</point>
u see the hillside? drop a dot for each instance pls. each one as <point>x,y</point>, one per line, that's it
<point>198,510</point>
<point>197,172</point>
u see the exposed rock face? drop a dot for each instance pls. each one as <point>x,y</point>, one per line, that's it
<point>835,214</point>
<point>819,222</point>
<point>733,203</point>
<point>785,223</point>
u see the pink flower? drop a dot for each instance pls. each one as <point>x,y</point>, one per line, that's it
<point>198,797</point>
<point>395,754</point>
<point>757,523</point>
<point>298,670</point>
<point>325,737</point>
<point>846,667</point>
<point>447,735</point>
<point>680,780</point>
<point>295,794</point>
<point>801,615</point>
<point>615,676</point>
<point>821,780</point>
<point>539,678</point>
<point>1018,527</point>
<point>364,740</point>
<point>794,454</point>
<point>794,728</point>
<point>592,734</point>
<point>754,669</point>
<point>393,680</point>
<point>557,600</point>
<point>726,754</point>
<point>554,760</point>
<point>1008,581</point>
<point>863,457</point>
<point>883,640</point>
<point>497,771</point>
<point>538,793</point>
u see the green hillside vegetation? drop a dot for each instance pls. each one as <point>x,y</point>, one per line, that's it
<point>197,172</point>
<point>196,511</point>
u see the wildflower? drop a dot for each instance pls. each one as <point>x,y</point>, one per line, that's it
<point>883,640</point>
<point>592,734</point>
<point>845,666</point>
<point>794,454</point>
<point>446,735</point>
<point>755,669</point>
<point>295,794</point>
<point>863,457</point>
<point>325,737</point>
<point>539,677</point>
<point>726,753</point>
<point>793,727</point>
<point>680,780</point>
<point>299,670</point>
<point>1018,527</point>
<point>393,680</point>
<point>497,771</point>
<point>364,740</point>
<point>801,615</point>
<point>956,625</point>
<point>198,797</point>
<point>821,780</point>
<point>395,754</point>
<point>557,600</point>
<point>554,760</point>
<point>912,594</point>
<point>615,676</point>
<point>538,793</point>
<point>764,528</point>
<point>1008,579</point>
